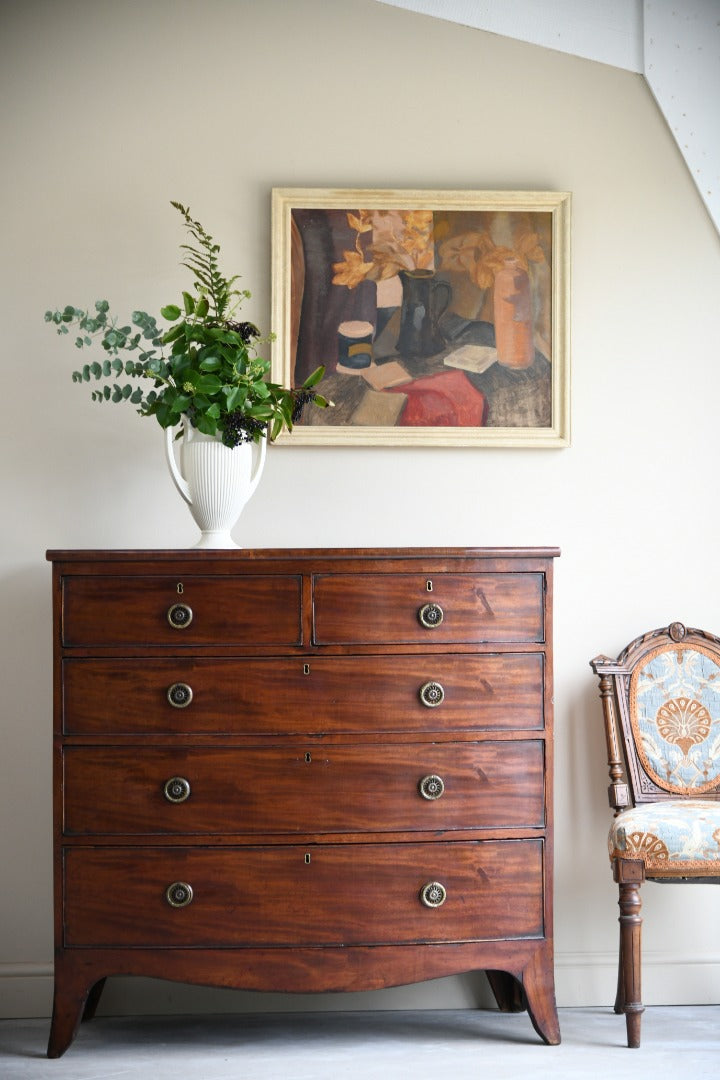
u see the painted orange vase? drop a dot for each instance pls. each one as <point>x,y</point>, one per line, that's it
<point>513,316</point>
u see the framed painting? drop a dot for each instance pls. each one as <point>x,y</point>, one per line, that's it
<point>441,317</point>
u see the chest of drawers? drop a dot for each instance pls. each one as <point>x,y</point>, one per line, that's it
<point>303,771</point>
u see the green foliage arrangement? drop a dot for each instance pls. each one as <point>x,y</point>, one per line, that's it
<point>204,367</point>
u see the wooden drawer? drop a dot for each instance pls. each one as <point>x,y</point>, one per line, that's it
<point>296,695</point>
<point>349,894</point>
<point>226,610</point>
<point>303,790</point>
<point>385,608</point>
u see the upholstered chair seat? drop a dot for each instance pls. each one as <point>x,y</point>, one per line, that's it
<point>678,838</point>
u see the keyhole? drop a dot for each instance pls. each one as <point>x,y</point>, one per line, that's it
<point>308,757</point>
<point>306,669</point>
<point>429,586</point>
<point>307,858</point>
<point>180,588</point>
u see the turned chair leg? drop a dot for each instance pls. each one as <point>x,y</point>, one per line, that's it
<point>629,876</point>
<point>620,995</point>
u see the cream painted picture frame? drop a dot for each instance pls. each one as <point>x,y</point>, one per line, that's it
<point>441,317</point>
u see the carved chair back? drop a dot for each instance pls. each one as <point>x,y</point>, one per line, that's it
<point>662,708</point>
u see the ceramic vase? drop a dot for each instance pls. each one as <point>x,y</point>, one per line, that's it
<point>216,481</point>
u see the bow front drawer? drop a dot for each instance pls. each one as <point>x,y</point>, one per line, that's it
<point>188,611</point>
<point>429,609</point>
<point>303,695</point>
<point>412,787</point>
<point>351,894</point>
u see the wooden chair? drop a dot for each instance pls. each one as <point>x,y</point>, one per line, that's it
<point>661,704</point>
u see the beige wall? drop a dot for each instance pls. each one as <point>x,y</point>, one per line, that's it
<point>111,109</point>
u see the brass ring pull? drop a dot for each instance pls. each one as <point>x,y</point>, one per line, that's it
<point>179,894</point>
<point>433,895</point>
<point>431,615</point>
<point>432,787</point>
<point>176,789</point>
<point>179,695</point>
<point>179,616</point>
<point>432,694</point>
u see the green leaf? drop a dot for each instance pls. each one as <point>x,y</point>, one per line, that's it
<point>171,312</point>
<point>188,302</point>
<point>180,403</point>
<point>164,416</point>
<point>210,363</point>
<point>206,425</point>
<point>314,379</point>
<point>102,305</point>
<point>235,397</point>
<point>208,384</point>
<point>173,334</point>
<point>202,307</point>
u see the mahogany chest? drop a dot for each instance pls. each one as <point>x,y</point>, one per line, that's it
<point>303,771</point>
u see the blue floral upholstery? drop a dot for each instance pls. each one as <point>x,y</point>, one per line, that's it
<point>675,716</point>
<point>675,838</point>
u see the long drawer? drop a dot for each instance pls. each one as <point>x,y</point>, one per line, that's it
<point>351,894</point>
<point>260,609</point>
<point>445,608</point>
<point>418,786</point>
<point>292,695</point>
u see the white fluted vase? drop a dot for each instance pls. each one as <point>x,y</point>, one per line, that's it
<point>216,481</point>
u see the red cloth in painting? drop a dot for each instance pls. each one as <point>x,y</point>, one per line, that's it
<point>446,399</point>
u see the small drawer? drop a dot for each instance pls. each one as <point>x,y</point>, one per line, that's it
<point>188,611</point>
<point>416,787</point>
<point>438,609</point>
<point>319,895</point>
<point>297,695</point>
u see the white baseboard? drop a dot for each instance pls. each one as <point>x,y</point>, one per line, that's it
<point>586,979</point>
<point>26,990</point>
<point>582,979</point>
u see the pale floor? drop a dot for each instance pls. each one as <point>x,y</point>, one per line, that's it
<point>452,1045</point>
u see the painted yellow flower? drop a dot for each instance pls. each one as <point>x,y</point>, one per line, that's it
<point>422,220</point>
<point>361,222</point>
<point>352,271</point>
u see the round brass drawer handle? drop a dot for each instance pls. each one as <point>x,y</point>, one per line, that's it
<point>433,895</point>
<point>432,787</point>
<point>179,616</point>
<point>431,615</point>
<point>177,789</point>
<point>179,894</point>
<point>432,694</point>
<point>179,695</point>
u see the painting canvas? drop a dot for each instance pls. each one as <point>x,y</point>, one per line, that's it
<point>440,317</point>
